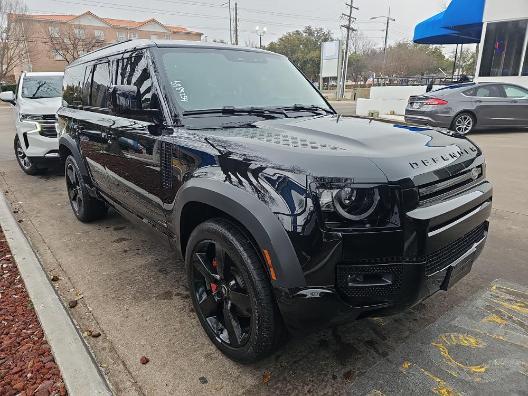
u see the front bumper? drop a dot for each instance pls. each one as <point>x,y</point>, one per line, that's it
<point>442,241</point>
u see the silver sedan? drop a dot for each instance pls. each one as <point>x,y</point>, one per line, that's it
<point>465,107</point>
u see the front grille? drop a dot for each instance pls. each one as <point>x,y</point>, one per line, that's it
<point>440,259</point>
<point>47,123</point>
<point>446,186</point>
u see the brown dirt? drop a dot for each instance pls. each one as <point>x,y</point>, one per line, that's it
<point>27,366</point>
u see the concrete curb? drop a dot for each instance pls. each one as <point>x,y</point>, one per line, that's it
<point>80,372</point>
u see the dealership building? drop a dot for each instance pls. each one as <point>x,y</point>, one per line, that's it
<point>499,27</point>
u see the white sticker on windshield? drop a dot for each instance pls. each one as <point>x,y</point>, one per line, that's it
<point>178,87</point>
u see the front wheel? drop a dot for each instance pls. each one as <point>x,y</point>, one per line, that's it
<point>231,292</point>
<point>85,207</point>
<point>25,163</point>
<point>463,123</point>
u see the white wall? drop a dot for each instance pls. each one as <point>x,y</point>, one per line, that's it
<point>387,100</point>
<point>499,10</point>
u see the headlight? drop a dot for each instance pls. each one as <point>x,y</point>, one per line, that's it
<point>353,203</point>
<point>350,205</point>
<point>28,123</point>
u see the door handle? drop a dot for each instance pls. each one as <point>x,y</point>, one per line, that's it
<point>514,101</point>
<point>478,101</point>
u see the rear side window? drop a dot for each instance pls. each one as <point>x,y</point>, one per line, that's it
<point>515,92</point>
<point>134,70</point>
<point>73,82</point>
<point>486,91</point>
<point>100,85</point>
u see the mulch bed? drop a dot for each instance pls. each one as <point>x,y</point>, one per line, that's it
<point>27,366</point>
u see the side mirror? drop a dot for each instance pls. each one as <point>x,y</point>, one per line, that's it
<point>125,101</point>
<point>8,96</point>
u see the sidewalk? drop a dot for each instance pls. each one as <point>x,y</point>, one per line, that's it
<point>27,345</point>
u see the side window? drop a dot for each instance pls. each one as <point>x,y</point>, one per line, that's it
<point>100,85</point>
<point>470,92</point>
<point>515,92</point>
<point>133,70</point>
<point>489,91</point>
<point>73,82</point>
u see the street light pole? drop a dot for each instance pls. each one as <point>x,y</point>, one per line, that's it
<point>260,33</point>
<point>387,26</point>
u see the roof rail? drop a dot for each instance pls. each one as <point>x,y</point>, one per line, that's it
<point>102,48</point>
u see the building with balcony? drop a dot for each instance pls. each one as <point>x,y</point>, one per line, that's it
<point>43,30</point>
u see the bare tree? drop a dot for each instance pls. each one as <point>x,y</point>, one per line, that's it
<point>70,41</point>
<point>13,50</point>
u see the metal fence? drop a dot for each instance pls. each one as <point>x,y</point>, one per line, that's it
<point>419,80</point>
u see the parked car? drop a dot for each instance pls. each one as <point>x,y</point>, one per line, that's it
<point>286,215</point>
<point>465,107</point>
<point>36,101</point>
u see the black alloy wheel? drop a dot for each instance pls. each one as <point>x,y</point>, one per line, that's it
<point>74,188</point>
<point>231,291</point>
<point>221,294</point>
<point>85,207</point>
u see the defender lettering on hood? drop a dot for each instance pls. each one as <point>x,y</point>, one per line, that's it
<point>449,157</point>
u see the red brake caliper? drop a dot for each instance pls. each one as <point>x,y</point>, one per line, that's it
<point>214,286</point>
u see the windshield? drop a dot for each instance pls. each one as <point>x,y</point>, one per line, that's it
<point>34,87</point>
<point>202,79</point>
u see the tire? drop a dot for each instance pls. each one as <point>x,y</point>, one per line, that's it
<point>24,162</point>
<point>85,207</point>
<point>463,123</point>
<point>239,313</point>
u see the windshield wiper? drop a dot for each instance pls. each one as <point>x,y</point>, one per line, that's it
<point>227,110</point>
<point>312,108</point>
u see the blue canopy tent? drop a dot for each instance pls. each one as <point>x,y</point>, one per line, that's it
<point>460,23</point>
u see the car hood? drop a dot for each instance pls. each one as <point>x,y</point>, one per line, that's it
<point>361,149</point>
<point>39,106</point>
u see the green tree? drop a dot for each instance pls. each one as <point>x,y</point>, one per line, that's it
<point>303,48</point>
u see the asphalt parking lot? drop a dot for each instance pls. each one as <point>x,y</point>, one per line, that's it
<point>130,286</point>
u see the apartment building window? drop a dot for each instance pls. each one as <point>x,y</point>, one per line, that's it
<point>79,33</point>
<point>133,35</point>
<point>54,31</point>
<point>153,36</point>
<point>503,48</point>
<point>99,35</point>
<point>121,36</point>
<point>167,37</point>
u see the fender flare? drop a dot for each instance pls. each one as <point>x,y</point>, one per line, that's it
<point>68,142</point>
<point>258,219</point>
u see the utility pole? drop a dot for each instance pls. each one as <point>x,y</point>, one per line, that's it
<point>236,23</point>
<point>230,23</point>
<point>349,29</point>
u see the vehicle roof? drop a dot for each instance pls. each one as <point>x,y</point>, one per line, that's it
<point>135,44</point>
<point>43,74</point>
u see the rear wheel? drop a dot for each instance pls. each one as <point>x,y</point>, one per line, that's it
<point>24,161</point>
<point>231,292</point>
<point>85,207</point>
<point>463,123</point>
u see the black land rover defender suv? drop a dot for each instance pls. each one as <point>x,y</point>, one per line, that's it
<point>287,215</point>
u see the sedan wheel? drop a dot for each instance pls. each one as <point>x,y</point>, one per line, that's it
<point>463,123</point>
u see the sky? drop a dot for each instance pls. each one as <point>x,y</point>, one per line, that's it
<point>212,16</point>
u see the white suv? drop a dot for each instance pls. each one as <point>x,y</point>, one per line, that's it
<point>37,99</point>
